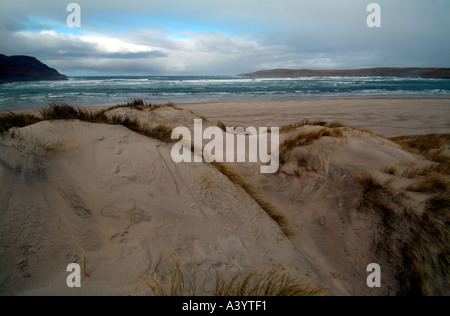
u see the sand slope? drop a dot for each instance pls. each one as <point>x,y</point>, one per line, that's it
<point>103,195</point>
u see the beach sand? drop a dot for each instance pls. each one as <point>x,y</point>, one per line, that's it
<point>389,117</point>
<point>114,202</point>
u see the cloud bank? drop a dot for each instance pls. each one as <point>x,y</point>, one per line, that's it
<point>174,37</point>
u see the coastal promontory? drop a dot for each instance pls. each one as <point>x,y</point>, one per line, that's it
<point>26,68</point>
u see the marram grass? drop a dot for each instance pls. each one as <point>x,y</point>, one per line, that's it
<point>255,282</point>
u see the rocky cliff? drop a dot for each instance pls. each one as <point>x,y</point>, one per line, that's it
<point>25,68</point>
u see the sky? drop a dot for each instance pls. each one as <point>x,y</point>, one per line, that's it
<point>211,37</point>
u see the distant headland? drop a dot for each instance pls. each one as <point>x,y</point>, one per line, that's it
<point>26,68</point>
<point>442,73</point>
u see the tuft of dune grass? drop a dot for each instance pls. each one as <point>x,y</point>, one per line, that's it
<point>426,254</point>
<point>12,120</point>
<point>274,282</point>
<point>63,111</point>
<point>176,286</point>
<point>431,184</point>
<point>306,138</point>
<point>161,132</point>
<point>222,126</point>
<point>389,170</point>
<point>368,182</point>
<point>140,105</point>
<point>422,143</point>
<point>305,122</point>
<point>443,162</point>
<point>428,146</point>
<point>256,282</point>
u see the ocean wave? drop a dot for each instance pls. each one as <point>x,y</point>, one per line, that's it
<point>110,90</point>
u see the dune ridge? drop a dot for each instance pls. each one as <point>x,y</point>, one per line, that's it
<point>102,191</point>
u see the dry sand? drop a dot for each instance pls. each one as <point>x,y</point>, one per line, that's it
<point>114,202</point>
<point>389,117</point>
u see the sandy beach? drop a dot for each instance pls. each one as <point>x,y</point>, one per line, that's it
<point>390,117</point>
<point>113,201</point>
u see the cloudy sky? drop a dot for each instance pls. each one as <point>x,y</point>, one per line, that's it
<point>228,37</point>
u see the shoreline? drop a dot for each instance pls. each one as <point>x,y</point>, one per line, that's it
<point>276,100</point>
<point>254,100</point>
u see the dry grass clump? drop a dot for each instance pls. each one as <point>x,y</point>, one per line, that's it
<point>140,105</point>
<point>423,143</point>
<point>305,139</point>
<point>443,162</point>
<point>137,103</point>
<point>369,183</point>
<point>175,286</point>
<point>12,120</point>
<point>429,146</point>
<point>257,282</point>
<point>160,132</point>
<point>426,254</point>
<point>416,242</point>
<point>63,111</point>
<point>290,127</point>
<point>279,217</point>
<point>389,170</point>
<point>274,282</point>
<point>431,184</point>
<point>222,126</point>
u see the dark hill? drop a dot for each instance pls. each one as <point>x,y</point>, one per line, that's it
<point>25,68</point>
<point>443,73</point>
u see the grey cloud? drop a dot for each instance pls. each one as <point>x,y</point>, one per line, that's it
<point>256,34</point>
<point>104,66</point>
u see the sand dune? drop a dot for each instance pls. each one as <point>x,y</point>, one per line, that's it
<point>113,201</point>
<point>103,194</point>
<point>318,189</point>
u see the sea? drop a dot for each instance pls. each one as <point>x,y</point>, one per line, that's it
<point>105,91</point>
